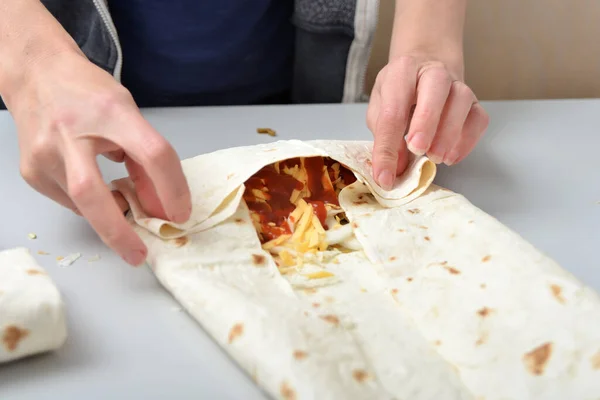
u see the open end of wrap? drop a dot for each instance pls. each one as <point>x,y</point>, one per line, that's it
<point>295,210</point>
<point>217,180</point>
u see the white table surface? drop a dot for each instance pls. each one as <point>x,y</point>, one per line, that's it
<point>537,170</point>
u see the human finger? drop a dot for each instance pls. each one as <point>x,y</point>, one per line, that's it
<point>397,95</point>
<point>449,130</point>
<point>433,89</point>
<point>475,125</point>
<point>160,164</point>
<point>94,200</point>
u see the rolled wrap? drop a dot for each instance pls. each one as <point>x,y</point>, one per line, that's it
<point>32,313</point>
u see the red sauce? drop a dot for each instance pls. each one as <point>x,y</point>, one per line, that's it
<point>274,212</point>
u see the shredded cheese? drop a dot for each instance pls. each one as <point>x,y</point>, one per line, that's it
<point>308,236</point>
<point>319,275</point>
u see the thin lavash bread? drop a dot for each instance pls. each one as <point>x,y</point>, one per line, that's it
<point>32,313</point>
<point>442,302</point>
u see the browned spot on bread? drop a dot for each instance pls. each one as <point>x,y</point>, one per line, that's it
<point>423,227</point>
<point>12,336</point>
<point>239,221</point>
<point>181,241</point>
<point>537,359</point>
<point>413,211</point>
<point>482,339</point>
<point>444,262</point>
<point>437,343</point>
<point>484,312</point>
<point>595,360</point>
<point>306,313</point>
<point>316,305</point>
<point>310,290</point>
<point>427,238</point>
<point>452,270</point>
<point>359,202</point>
<point>360,375</point>
<point>329,299</point>
<point>471,221</point>
<point>369,162</point>
<point>366,214</point>
<point>401,230</point>
<point>557,293</point>
<point>354,225</point>
<point>300,355</point>
<point>235,332</point>
<point>452,235</point>
<point>394,291</point>
<point>483,286</point>
<point>35,272</point>
<point>230,176</point>
<point>409,279</point>
<point>332,319</point>
<point>258,260</point>
<point>287,392</point>
<point>486,258</point>
<point>392,258</point>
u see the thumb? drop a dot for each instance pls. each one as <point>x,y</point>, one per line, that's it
<point>397,96</point>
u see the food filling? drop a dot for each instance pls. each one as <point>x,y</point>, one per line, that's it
<point>295,209</point>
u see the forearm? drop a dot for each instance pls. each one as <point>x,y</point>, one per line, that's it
<point>29,35</point>
<point>432,28</point>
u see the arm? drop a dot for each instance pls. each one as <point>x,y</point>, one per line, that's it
<point>431,28</point>
<point>29,35</point>
<point>425,71</point>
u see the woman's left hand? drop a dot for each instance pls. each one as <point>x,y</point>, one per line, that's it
<point>446,124</point>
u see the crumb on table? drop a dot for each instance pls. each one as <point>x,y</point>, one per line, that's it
<point>266,131</point>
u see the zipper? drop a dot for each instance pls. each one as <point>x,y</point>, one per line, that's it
<point>112,30</point>
<point>366,19</point>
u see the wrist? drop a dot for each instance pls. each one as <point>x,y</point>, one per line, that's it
<point>30,37</point>
<point>430,31</point>
<point>451,59</point>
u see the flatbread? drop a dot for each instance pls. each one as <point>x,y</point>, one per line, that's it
<point>441,301</point>
<point>32,313</point>
<point>216,199</point>
<point>494,306</point>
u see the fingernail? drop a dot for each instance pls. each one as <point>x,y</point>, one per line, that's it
<point>451,158</point>
<point>135,257</point>
<point>386,179</point>
<point>435,159</point>
<point>413,149</point>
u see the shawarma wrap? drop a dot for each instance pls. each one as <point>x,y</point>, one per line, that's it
<point>322,285</point>
<point>32,313</point>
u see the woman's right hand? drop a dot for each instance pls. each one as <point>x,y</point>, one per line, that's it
<point>68,111</point>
